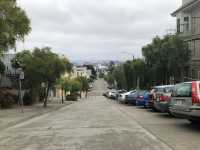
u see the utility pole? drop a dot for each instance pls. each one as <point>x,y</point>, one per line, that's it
<point>21,77</point>
<point>20,96</point>
<point>133,56</point>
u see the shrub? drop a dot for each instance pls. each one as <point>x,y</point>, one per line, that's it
<point>72,97</point>
<point>7,99</point>
<point>27,99</point>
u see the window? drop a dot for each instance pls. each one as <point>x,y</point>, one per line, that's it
<point>186,23</point>
<point>183,90</point>
<point>186,19</point>
<point>178,25</point>
<point>161,89</point>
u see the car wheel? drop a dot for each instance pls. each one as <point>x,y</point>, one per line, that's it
<point>154,109</point>
<point>194,121</point>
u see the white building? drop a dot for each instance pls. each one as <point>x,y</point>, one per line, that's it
<point>188,26</point>
<point>81,72</point>
<point>9,70</point>
<point>6,59</point>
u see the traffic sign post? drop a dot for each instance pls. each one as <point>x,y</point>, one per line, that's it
<point>21,77</point>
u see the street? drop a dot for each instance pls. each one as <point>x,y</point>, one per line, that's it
<point>101,124</point>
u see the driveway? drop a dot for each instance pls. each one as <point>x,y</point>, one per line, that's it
<point>92,124</point>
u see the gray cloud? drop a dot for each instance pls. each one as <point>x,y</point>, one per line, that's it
<point>97,29</point>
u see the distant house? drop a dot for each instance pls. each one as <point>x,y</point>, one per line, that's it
<point>6,59</point>
<point>79,71</point>
<point>188,26</point>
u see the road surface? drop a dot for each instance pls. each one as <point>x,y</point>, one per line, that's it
<point>94,124</point>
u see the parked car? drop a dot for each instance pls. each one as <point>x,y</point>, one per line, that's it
<point>154,95</point>
<point>163,97</point>
<point>131,98</point>
<point>112,94</point>
<point>122,97</point>
<point>185,101</point>
<point>120,92</point>
<point>105,94</point>
<point>143,98</point>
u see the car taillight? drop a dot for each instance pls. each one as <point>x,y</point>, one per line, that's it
<point>195,97</point>
<point>141,97</point>
<point>163,98</point>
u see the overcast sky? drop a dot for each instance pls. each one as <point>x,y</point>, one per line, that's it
<point>97,29</point>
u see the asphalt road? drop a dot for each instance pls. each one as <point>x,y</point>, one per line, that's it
<point>101,124</point>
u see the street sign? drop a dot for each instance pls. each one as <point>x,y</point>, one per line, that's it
<point>21,75</point>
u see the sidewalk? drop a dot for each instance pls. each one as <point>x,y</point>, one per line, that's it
<point>13,116</point>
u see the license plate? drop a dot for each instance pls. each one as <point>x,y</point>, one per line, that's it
<point>179,102</point>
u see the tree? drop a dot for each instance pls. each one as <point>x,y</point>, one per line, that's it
<point>41,66</point>
<point>94,72</point>
<point>84,85</point>
<point>165,57</point>
<point>2,67</point>
<point>14,24</point>
<point>65,85</point>
<point>119,76</point>
<point>109,79</point>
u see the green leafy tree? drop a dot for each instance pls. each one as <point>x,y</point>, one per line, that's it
<point>165,57</point>
<point>120,78</point>
<point>65,85</point>
<point>2,67</point>
<point>14,24</point>
<point>75,86</point>
<point>109,79</point>
<point>40,66</point>
<point>84,85</point>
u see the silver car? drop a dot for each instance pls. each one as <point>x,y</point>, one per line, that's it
<point>122,97</point>
<point>185,101</point>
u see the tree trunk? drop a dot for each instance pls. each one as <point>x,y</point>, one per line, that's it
<point>80,94</point>
<point>46,97</point>
<point>86,94</point>
<point>65,94</point>
<point>182,74</point>
<point>62,96</point>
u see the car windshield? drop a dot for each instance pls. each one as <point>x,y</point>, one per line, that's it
<point>169,89</point>
<point>141,93</point>
<point>182,90</point>
<point>161,89</point>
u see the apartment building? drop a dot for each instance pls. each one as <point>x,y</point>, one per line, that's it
<point>80,71</point>
<point>188,26</point>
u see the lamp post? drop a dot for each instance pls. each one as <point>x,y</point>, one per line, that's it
<point>133,56</point>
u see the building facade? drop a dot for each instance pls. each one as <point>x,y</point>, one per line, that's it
<point>81,72</point>
<point>188,26</point>
<point>5,80</point>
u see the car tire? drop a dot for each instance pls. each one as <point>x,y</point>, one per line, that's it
<point>193,122</point>
<point>170,114</point>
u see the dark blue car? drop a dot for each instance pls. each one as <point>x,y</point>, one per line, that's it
<point>131,98</point>
<point>143,98</point>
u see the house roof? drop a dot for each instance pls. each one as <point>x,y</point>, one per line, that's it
<point>185,6</point>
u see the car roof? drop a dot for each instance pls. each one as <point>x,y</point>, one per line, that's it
<point>189,82</point>
<point>163,86</point>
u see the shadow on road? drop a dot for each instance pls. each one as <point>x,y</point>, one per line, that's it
<point>190,127</point>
